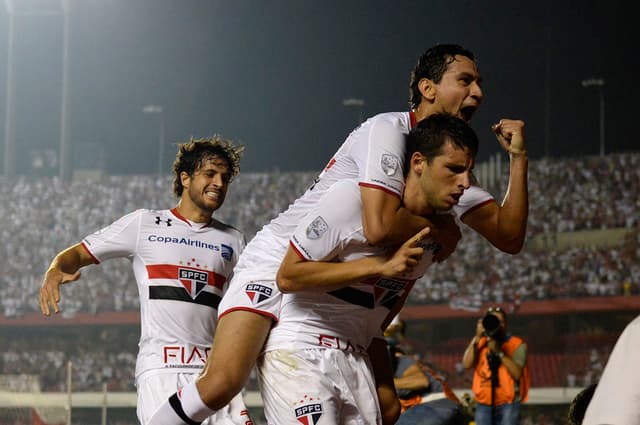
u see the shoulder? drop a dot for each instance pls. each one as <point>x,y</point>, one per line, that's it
<point>226,228</point>
<point>391,121</point>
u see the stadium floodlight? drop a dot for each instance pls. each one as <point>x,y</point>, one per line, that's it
<point>157,109</point>
<point>599,83</point>
<point>357,103</point>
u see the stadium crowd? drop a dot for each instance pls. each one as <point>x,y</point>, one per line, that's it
<point>41,216</point>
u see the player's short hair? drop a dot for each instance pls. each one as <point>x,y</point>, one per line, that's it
<point>432,65</point>
<point>194,153</point>
<point>430,135</point>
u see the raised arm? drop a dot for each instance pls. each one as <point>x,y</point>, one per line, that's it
<point>505,225</point>
<point>64,268</point>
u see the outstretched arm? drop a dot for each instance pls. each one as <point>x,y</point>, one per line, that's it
<point>63,269</point>
<point>505,225</point>
<point>298,274</point>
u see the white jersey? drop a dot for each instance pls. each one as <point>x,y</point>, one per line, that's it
<point>182,269</point>
<point>346,318</point>
<point>373,155</point>
<point>616,399</point>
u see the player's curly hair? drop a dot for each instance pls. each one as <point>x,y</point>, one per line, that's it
<point>192,155</point>
<point>431,65</point>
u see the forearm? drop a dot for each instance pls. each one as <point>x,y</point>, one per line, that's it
<point>412,379</point>
<point>385,221</point>
<point>514,211</point>
<point>70,260</point>
<point>403,225</point>
<point>470,353</point>
<point>512,367</point>
<point>298,275</point>
<point>381,364</point>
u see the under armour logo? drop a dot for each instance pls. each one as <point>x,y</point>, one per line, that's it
<point>159,220</point>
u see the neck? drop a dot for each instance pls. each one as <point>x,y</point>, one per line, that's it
<point>424,110</point>
<point>414,198</point>
<point>193,213</point>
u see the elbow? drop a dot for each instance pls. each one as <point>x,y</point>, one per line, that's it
<point>511,246</point>
<point>285,284</point>
<point>376,236</point>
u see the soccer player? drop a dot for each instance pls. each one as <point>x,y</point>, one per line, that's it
<point>182,259</point>
<point>315,363</point>
<point>445,79</point>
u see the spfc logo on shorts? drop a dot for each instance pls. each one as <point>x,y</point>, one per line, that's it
<point>194,281</point>
<point>258,293</point>
<point>317,228</point>
<point>389,164</point>
<point>309,414</point>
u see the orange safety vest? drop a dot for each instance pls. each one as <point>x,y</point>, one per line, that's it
<point>505,391</point>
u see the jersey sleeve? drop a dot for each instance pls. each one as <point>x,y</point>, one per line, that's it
<point>380,157</point>
<point>338,214</point>
<point>472,198</point>
<point>119,239</point>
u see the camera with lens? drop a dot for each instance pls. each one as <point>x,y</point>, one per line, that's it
<point>492,328</point>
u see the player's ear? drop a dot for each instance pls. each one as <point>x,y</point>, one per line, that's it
<point>418,162</point>
<point>185,179</point>
<point>427,89</point>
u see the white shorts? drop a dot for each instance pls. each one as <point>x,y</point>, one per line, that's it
<point>257,296</point>
<point>318,386</point>
<point>155,389</point>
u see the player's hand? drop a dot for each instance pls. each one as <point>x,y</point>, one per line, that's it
<point>446,233</point>
<point>50,289</point>
<point>407,256</point>
<point>510,135</point>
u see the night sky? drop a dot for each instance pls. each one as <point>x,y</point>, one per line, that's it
<point>273,74</point>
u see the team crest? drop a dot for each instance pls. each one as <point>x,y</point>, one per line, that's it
<point>226,252</point>
<point>309,414</point>
<point>317,228</point>
<point>194,281</point>
<point>387,291</point>
<point>389,164</point>
<point>258,293</point>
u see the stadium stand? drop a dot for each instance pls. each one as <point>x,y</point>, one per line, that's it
<point>582,256</point>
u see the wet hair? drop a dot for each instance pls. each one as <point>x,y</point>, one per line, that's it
<point>432,65</point>
<point>192,155</point>
<point>430,135</point>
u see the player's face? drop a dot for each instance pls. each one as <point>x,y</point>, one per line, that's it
<point>459,92</point>
<point>442,181</point>
<point>209,183</point>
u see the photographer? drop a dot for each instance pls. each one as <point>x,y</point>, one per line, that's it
<point>501,375</point>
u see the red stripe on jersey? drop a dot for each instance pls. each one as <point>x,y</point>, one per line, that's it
<point>297,251</point>
<point>330,164</point>
<point>171,271</point>
<point>251,310</point>
<point>375,186</point>
<point>179,216</point>
<point>412,118</point>
<point>95,260</point>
